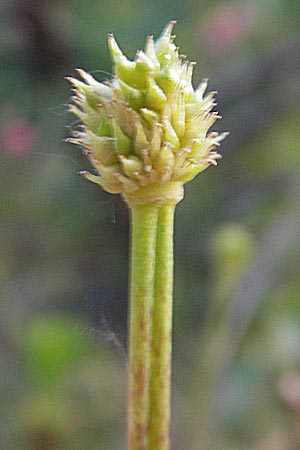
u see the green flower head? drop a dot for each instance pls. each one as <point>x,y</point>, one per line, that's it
<point>148,126</point>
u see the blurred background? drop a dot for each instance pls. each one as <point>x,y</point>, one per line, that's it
<point>64,242</point>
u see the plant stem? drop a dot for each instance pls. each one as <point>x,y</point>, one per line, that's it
<point>160,382</point>
<point>143,247</point>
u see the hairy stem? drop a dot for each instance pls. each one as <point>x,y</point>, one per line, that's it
<point>160,381</point>
<point>143,248</point>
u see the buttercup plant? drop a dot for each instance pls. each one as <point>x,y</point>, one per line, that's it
<point>146,134</point>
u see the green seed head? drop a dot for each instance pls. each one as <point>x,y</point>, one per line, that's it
<point>147,129</point>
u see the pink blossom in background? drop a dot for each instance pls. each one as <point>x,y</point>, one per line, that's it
<point>289,389</point>
<point>228,24</point>
<point>18,137</point>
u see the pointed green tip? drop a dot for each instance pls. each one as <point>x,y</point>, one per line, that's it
<point>115,51</point>
<point>164,44</point>
<point>167,31</point>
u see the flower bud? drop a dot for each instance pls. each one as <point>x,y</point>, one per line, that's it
<point>148,127</point>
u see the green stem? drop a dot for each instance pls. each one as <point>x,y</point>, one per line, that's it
<point>160,383</point>
<point>143,247</point>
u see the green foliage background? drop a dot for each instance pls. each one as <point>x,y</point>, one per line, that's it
<point>64,242</point>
